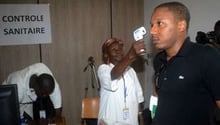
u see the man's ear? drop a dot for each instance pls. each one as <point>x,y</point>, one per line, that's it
<point>182,26</point>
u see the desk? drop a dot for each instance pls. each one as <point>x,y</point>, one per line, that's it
<point>57,121</point>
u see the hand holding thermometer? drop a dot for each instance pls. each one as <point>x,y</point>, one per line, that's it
<point>139,34</point>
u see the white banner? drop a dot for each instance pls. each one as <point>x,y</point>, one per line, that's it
<point>24,24</point>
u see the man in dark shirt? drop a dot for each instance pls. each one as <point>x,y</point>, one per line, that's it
<point>187,74</point>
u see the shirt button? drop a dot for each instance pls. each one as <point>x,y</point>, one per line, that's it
<point>165,78</point>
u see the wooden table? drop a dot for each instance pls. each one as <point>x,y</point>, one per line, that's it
<point>57,121</point>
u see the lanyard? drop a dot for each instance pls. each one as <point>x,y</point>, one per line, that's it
<point>125,90</point>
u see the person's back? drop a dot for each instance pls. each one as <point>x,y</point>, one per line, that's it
<point>217,33</point>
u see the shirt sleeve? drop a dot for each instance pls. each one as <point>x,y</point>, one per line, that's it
<point>15,78</point>
<point>104,75</point>
<point>56,97</point>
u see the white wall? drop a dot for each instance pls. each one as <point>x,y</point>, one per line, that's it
<point>204,14</point>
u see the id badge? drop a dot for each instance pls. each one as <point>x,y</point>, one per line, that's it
<point>125,113</point>
<point>42,114</point>
<point>153,105</point>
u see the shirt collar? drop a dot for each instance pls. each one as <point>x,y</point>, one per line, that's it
<point>184,50</point>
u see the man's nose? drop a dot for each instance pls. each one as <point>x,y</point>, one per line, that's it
<point>153,30</point>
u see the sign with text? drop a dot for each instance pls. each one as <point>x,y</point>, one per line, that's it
<point>24,24</point>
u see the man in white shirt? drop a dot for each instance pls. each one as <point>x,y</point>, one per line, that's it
<point>121,92</point>
<point>35,81</point>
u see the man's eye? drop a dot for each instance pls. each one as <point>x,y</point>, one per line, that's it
<point>159,23</point>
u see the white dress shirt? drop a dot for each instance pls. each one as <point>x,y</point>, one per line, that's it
<point>26,94</point>
<point>115,94</point>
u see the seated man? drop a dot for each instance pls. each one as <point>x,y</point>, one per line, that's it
<point>35,81</point>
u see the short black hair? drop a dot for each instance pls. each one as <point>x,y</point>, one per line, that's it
<point>45,80</point>
<point>217,31</point>
<point>179,10</point>
<point>217,26</point>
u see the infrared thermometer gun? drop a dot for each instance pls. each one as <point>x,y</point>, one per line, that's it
<point>139,33</point>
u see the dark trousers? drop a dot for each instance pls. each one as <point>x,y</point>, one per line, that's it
<point>147,116</point>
